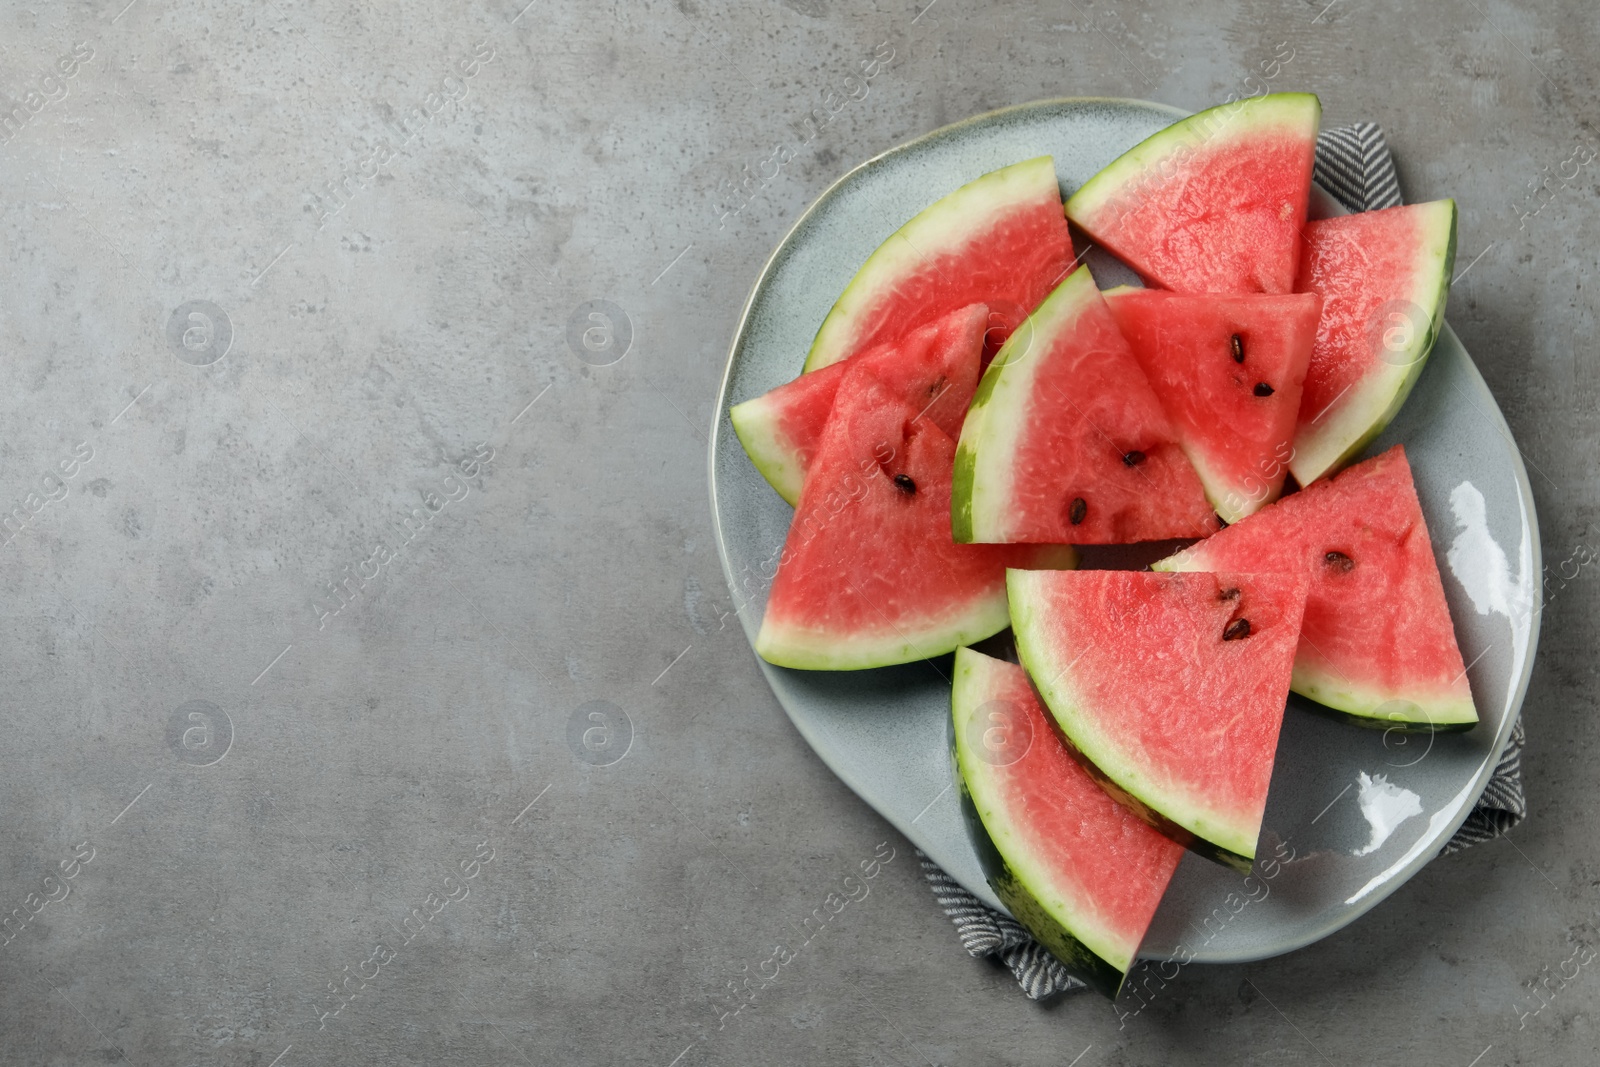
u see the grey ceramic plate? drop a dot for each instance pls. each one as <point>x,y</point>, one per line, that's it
<point>1354,812</point>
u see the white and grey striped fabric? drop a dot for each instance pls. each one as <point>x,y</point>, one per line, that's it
<point>1354,165</point>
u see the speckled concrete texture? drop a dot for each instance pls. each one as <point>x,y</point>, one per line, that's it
<point>372,691</point>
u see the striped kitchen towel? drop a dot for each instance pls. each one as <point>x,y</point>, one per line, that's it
<point>1354,165</point>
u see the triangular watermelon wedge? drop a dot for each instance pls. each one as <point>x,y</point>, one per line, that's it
<point>1228,370</point>
<point>1066,442</point>
<point>1082,872</point>
<point>1170,686</point>
<point>869,575</point>
<point>1000,240</point>
<point>1214,203</point>
<point>1378,643</point>
<point>779,429</point>
<point>1384,277</point>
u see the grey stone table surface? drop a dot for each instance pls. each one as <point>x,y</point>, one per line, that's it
<point>373,696</point>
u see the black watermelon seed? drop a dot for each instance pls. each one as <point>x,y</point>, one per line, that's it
<point>1133,459</point>
<point>935,386</point>
<point>1263,389</point>
<point>1228,594</point>
<point>1236,629</point>
<point>1338,561</point>
<point>1238,349</point>
<point>905,483</point>
<point>1079,508</point>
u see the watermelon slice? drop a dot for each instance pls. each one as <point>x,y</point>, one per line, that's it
<point>779,430</point>
<point>1001,240</point>
<point>869,575</point>
<point>1377,642</point>
<point>1080,871</point>
<point>1171,687</point>
<point>1214,203</point>
<point>1066,442</point>
<point>1228,371</point>
<point>1384,277</point>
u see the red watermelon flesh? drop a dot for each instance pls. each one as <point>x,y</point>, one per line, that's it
<point>1000,240</point>
<point>1377,641</point>
<point>869,575</point>
<point>1065,441</point>
<point>1228,371</point>
<point>1082,872</point>
<point>780,429</point>
<point>1214,203</point>
<point>1384,277</point>
<point>1172,686</point>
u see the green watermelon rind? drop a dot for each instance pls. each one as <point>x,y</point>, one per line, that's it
<point>1361,707</point>
<point>1184,818</point>
<point>1086,948</point>
<point>755,423</point>
<point>1231,502</point>
<point>811,651</point>
<point>980,493</point>
<point>1366,706</point>
<point>1143,162</point>
<point>1354,703</point>
<point>1354,426</point>
<point>945,225</point>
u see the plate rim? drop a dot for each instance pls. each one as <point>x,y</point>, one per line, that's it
<point>1517,693</point>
